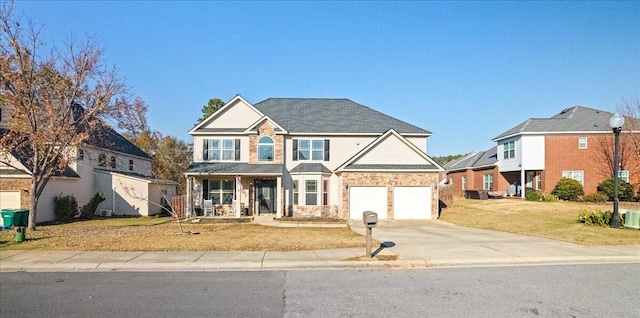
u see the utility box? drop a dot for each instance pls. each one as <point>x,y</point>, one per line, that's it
<point>370,218</point>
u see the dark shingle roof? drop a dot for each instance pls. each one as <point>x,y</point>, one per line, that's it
<point>315,115</point>
<point>235,168</point>
<point>105,137</point>
<point>310,167</point>
<point>574,119</point>
<point>475,160</point>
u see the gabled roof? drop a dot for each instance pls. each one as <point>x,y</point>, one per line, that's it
<point>332,116</point>
<point>426,164</point>
<point>474,160</point>
<point>105,137</point>
<point>574,119</point>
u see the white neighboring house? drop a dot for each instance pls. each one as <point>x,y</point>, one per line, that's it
<point>107,162</point>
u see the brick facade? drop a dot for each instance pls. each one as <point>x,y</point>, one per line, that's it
<point>389,179</point>
<point>18,184</point>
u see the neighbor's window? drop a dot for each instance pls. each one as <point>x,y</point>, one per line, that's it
<point>575,175</point>
<point>464,183</point>
<point>221,149</point>
<point>80,154</point>
<point>509,149</point>
<point>624,175</point>
<point>582,143</point>
<point>102,160</point>
<point>112,162</point>
<point>538,178</point>
<point>265,149</point>
<point>488,182</point>
<point>221,191</point>
<point>311,195</point>
<point>295,192</point>
<point>131,164</point>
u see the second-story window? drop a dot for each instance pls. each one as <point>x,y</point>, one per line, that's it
<point>102,160</point>
<point>265,149</point>
<point>131,164</point>
<point>582,143</point>
<point>221,150</point>
<point>310,149</point>
<point>80,154</point>
<point>509,149</point>
<point>112,162</point>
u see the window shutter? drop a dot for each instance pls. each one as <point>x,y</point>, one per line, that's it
<point>326,150</point>
<point>205,150</point>
<point>237,149</point>
<point>295,150</point>
<point>205,189</point>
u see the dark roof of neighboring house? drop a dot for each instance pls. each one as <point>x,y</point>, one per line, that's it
<point>310,167</point>
<point>105,137</point>
<point>574,119</point>
<point>474,160</point>
<point>319,115</point>
<point>233,168</point>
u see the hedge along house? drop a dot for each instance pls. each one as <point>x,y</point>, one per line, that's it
<point>106,162</point>
<point>310,158</point>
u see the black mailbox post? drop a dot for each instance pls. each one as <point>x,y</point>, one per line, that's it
<point>370,220</point>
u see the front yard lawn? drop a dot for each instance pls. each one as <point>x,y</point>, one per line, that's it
<point>555,220</point>
<point>160,234</point>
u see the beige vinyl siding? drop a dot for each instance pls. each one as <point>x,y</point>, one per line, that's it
<point>419,142</point>
<point>238,115</point>
<point>341,149</point>
<point>388,151</point>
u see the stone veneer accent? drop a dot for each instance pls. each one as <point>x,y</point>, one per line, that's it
<point>389,179</point>
<point>325,211</point>
<point>266,130</point>
<point>18,184</point>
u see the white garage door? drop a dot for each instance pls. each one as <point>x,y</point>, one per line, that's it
<point>367,199</point>
<point>9,199</point>
<point>411,203</point>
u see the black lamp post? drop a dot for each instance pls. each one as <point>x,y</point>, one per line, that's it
<point>616,122</point>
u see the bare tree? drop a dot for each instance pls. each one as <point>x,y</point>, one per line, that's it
<point>55,99</point>
<point>630,109</point>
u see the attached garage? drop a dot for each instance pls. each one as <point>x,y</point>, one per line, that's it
<point>367,199</point>
<point>9,199</point>
<point>411,203</point>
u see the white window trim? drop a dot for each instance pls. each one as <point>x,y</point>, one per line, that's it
<point>623,175</point>
<point>573,174</point>
<point>509,150</point>
<point>270,144</point>
<point>221,149</point>
<point>464,183</point>
<point>582,143</point>
<point>311,149</point>
<point>487,183</point>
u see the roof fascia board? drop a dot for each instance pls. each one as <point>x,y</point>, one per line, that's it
<point>262,119</point>
<point>551,133</point>
<point>220,111</point>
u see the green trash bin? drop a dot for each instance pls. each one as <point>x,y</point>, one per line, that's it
<point>21,234</point>
<point>20,217</point>
<point>7,218</point>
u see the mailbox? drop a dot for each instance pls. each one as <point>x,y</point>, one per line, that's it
<point>370,218</point>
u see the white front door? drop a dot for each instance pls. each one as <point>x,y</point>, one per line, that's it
<point>411,203</point>
<point>367,199</point>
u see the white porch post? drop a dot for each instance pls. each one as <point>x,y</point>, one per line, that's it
<point>523,184</point>
<point>236,207</point>
<point>188,205</point>
<point>279,198</point>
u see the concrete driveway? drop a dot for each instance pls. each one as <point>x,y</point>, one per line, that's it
<point>438,242</point>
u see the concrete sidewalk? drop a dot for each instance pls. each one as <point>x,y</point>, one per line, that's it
<point>417,244</point>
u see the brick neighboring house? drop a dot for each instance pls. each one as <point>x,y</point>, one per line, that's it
<point>306,157</point>
<point>576,143</point>
<point>106,162</point>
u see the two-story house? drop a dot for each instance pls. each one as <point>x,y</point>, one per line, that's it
<point>106,162</point>
<point>577,143</point>
<point>311,157</point>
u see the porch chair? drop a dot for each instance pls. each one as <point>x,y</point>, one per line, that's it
<point>208,208</point>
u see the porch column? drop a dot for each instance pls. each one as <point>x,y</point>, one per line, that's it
<point>188,205</point>
<point>279,197</point>
<point>523,184</point>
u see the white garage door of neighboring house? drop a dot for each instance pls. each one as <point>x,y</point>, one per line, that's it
<point>411,203</point>
<point>367,199</point>
<point>9,199</point>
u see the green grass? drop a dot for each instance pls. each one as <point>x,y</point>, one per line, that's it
<point>555,220</point>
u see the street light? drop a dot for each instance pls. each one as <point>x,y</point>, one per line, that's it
<point>616,122</point>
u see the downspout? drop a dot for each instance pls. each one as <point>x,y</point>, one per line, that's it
<point>113,201</point>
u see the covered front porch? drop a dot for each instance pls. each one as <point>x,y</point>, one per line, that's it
<point>515,179</point>
<point>234,190</point>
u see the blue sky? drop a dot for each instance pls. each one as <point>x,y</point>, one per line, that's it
<point>466,71</point>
